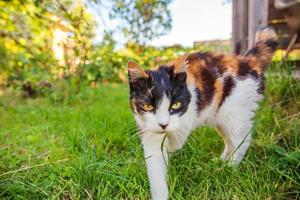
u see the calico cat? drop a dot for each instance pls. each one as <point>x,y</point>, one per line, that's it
<point>198,89</point>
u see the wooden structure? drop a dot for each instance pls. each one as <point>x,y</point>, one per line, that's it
<point>250,15</point>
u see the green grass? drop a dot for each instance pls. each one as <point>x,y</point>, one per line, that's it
<point>86,147</point>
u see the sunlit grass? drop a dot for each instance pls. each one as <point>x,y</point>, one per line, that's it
<point>86,147</point>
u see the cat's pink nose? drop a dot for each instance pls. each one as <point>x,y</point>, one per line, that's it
<point>164,126</point>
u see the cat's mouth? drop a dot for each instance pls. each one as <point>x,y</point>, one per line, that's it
<point>163,132</point>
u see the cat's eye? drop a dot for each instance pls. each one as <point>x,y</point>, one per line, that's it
<point>176,105</point>
<point>148,107</point>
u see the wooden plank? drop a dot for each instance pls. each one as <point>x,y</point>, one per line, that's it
<point>275,14</point>
<point>250,15</point>
<point>258,17</point>
<point>239,26</point>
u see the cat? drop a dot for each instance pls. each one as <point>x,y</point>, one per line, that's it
<point>197,89</point>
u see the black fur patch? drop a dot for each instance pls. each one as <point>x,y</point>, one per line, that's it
<point>229,84</point>
<point>261,85</point>
<point>255,51</point>
<point>211,61</point>
<point>160,82</point>
<point>199,100</point>
<point>217,66</point>
<point>272,44</point>
<point>246,71</point>
<point>208,78</point>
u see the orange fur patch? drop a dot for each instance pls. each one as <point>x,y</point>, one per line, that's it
<point>218,92</point>
<point>231,64</point>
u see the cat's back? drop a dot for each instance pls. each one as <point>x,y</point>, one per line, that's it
<point>217,76</point>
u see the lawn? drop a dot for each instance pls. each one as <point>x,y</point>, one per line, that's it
<point>86,147</point>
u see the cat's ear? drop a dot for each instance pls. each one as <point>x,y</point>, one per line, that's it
<point>180,64</point>
<point>135,71</point>
<point>180,69</point>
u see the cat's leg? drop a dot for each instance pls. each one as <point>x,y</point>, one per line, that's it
<point>234,123</point>
<point>237,141</point>
<point>227,143</point>
<point>156,156</point>
<point>234,119</point>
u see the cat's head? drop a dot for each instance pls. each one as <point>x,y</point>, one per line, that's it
<point>159,98</point>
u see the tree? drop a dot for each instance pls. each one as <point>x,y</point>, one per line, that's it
<point>142,20</point>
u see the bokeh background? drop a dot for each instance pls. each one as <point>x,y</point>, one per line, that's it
<point>89,42</point>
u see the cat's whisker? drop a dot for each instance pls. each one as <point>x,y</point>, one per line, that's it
<point>133,131</point>
<point>138,132</point>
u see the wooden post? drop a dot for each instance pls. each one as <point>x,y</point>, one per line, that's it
<point>258,17</point>
<point>239,26</point>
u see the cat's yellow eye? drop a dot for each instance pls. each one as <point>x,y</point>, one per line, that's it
<point>148,107</point>
<point>176,105</point>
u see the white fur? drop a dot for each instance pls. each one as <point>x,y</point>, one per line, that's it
<point>156,162</point>
<point>234,118</point>
<point>162,113</point>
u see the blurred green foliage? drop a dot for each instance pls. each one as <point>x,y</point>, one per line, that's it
<point>27,40</point>
<point>49,45</point>
<point>43,42</point>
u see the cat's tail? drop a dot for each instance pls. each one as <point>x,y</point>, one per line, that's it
<point>264,46</point>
